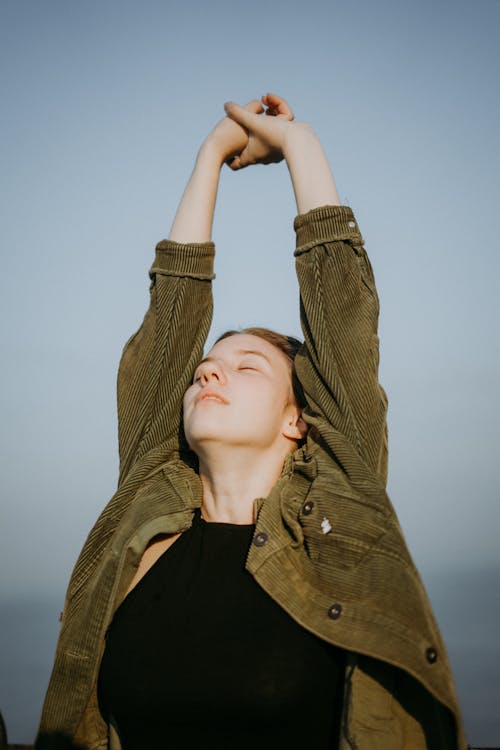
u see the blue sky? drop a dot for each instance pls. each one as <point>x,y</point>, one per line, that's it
<point>104,107</point>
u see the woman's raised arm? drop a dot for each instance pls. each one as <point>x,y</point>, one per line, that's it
<point>194,217</point>
<point>158,361</point>
<point>338,367</point>
<point>274,138</point>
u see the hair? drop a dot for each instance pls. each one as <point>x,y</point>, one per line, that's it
<point>288,345</point>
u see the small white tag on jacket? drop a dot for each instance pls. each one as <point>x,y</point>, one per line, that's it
<point>326,526</point>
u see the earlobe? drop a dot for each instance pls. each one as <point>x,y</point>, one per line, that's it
<point>302,427</point>
<point>296,428</point>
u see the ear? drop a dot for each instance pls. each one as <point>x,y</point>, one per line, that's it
<point>294,428</point>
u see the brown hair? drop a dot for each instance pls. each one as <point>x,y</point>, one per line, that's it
<point>288,345</point>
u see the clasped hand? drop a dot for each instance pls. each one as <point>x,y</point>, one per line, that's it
<point>253,134</point>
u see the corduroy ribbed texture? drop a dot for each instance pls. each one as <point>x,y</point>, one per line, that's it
<point>354,585</point>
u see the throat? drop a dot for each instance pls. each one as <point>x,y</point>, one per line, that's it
<point>230,487</point>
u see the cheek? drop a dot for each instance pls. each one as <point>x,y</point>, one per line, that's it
<point>266,404</point>
<point>187,402</point>
<point>188,396</point>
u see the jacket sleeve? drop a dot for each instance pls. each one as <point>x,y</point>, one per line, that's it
<point>338,365</point>
<point>158,361</point>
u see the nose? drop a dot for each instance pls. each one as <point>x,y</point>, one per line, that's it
<point>212,371</point>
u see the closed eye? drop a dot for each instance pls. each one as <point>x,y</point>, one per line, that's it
<point>248,367</point>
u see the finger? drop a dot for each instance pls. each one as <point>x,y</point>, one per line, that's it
<point>278,106</point>
<point>274,100</point>
<point>254,106</point>
<point>241,115</point>
<point>271,109</point>
<point>234,163</point>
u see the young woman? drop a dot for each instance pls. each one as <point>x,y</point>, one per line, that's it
<point>248,583</point>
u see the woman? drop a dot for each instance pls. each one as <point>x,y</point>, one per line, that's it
<point>248,582</point>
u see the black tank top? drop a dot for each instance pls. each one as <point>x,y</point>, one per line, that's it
<point>198,655</point>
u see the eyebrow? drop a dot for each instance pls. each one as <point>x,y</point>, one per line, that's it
<point>255,351</point>
<point>239,351</point>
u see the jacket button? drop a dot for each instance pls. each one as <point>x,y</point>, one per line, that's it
<point>307,508</point>
<point>260,539</point>
<point>431,655</point>
<point>335,611</point>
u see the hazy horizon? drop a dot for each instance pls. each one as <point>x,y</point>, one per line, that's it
<point>474,651</point>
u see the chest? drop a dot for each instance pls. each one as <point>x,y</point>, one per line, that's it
<point>199,648</point>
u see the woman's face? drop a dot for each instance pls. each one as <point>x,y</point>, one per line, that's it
<point>241,396</point>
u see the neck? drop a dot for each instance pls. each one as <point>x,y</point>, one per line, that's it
<point>233,479</point>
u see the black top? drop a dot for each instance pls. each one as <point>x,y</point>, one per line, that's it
<point>198,655</point>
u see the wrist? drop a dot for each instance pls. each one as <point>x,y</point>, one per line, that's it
<point>193,220</point>
<point>213,151</point>
<point>298,137</point>
<point>310,172</point>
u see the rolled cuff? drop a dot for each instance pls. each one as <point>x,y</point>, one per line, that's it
<point>178,259</point>
<point>326,224</point>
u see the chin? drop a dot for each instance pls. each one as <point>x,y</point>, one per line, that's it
<point>201,441</point>
<point>198,438</point>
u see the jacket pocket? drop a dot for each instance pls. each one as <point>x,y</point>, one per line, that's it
<point>339,529</point>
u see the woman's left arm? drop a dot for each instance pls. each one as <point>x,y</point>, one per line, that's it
<point>338,367</point>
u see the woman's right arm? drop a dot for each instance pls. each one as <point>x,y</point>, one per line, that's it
<point>158,361</point>
<point>194,217</point>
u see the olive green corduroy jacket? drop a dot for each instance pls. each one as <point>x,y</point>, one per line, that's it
<point>354,586</point>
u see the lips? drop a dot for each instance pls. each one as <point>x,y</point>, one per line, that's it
<point>211,396</point>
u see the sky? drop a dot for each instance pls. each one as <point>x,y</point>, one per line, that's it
<point>104,107</point>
